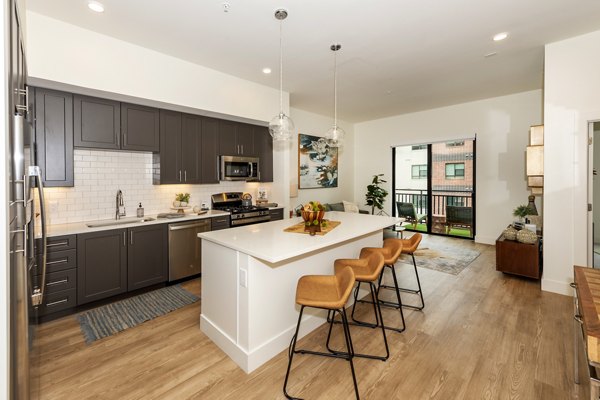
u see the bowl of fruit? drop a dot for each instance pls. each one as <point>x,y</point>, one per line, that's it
<point>313,214</point>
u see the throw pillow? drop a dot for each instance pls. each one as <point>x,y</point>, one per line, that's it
<point>350,207</point>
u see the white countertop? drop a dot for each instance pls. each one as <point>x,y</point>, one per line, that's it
<point>269,242</point>
<point>81,227</point>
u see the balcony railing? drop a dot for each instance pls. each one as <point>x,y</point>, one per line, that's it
<point>439,198</point>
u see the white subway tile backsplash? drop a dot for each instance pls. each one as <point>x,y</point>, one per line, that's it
<point>98,176</point>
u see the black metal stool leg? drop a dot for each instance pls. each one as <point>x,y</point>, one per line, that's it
<point>350,350</point>
<point>391,304</point>
<point>292,350</point>
<point>413,291</point>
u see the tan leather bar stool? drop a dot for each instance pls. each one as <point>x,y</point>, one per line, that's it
<point>391,250</point>
<point>331,293</point>
<point>409,246</point>
<point>366,270</point>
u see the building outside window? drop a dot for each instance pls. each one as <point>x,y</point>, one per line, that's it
<point>419,147</point>
<point>455,170</point>
<point>419,171</point>
<point>455,143</point>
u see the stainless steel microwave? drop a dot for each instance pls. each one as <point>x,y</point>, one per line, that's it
<point>239,168</point>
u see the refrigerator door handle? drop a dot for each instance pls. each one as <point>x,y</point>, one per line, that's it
<point>37,295</point>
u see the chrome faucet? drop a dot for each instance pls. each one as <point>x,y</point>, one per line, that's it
<point>120,209</point>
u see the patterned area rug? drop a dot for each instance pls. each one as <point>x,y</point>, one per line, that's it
<point>448,259</point>
<point>107,320</point>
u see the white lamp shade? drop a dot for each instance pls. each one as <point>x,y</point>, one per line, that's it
<point>335,136</point>
<point>281,127</point>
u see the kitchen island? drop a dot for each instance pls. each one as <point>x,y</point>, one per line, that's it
<point>249,277</point>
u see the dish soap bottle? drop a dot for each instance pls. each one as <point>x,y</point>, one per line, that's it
<point>140,211</point>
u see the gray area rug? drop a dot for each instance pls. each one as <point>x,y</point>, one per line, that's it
<point>448,259</point>
<point>107,320</point>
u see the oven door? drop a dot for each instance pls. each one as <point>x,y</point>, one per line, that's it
<point>239,168</point>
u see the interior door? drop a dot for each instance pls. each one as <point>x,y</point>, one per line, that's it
<point>594,195</point>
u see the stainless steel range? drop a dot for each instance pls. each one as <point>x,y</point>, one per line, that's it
<point>232,203</point>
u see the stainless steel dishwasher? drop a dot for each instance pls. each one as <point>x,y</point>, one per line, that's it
<point>185,248</point>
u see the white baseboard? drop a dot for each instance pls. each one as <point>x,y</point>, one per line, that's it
<point>557,287</point>
<point>249,361</point>
<point>485,239</point>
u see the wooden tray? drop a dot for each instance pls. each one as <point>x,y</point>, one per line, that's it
<point>313,230</point>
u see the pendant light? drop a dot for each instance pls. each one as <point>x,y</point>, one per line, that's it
<point>281,126</point>
<point>335,135</point>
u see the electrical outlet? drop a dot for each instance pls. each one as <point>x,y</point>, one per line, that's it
<point>243,278</point>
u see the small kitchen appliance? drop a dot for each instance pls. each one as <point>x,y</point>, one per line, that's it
<point>232,202</point>
<point>239,168</point>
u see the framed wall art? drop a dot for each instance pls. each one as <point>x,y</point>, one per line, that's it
<point>317,163</point>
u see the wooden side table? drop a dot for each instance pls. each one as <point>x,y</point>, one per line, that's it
<point>518,258</point>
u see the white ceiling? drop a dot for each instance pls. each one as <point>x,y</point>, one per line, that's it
<point>397,56</point>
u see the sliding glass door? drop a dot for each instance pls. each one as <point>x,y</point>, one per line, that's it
<point>434,187</point>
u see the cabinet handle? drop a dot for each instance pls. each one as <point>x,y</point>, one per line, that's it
<point>64,243</point>
<point>64,260</point>
<point>185,175</point>
<point>124,240</point>
<point>242,149</point>
<point>217,170</point>
<point>131,237</point>
<point>54,303</point>
<point>57,282</point>
<point>578,319</point>
<point>179,175</point>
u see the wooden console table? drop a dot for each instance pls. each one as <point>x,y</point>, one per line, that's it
<point>587,323</point>
<point>518,258</point>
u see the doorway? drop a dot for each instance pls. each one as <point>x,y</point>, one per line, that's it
<point>434,187</point>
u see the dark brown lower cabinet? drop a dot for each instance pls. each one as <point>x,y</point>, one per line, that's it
<point>147,258</point>
<point>101,265</point>
<point>276,214</point>
<point>517,258</point>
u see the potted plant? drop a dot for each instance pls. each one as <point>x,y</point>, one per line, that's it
<point>181,200</point>
<point>522,211</point>
<point>376,194</point>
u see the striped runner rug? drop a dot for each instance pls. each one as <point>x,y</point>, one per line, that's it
<point>112,318</point>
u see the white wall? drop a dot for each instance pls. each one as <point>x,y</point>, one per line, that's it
<point>572,84</point>
<point>317,125</point>
<point>71,55</point>
<point>502,128</point>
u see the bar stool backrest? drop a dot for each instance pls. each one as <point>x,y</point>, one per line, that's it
<point>412,244</point>
<point>345,282</point>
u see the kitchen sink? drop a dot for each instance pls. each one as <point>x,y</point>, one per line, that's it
<point>118,222</point>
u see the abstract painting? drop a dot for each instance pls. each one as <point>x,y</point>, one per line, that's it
<point>317,163</point>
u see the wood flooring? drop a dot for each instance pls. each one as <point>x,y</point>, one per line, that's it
<point>482,335</point>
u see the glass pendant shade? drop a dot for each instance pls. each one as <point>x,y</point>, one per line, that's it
<point>335,136</point>
<point>281,127</point>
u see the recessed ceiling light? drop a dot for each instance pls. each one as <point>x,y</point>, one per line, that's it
<point>96,6</point>
<point>266,70</point>
<point>488,55</point>
<point>500,36</point>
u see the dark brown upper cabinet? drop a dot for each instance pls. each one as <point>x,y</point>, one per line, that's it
<point>263,146</point>
<point>170,146</point>
<point>97,123</point>
<point>54,136</point>
<point>227,138</point>
<point>140,128</point>
<point>235,139</point>
<point>147,260</point>
<point>209,149</point>
<point>245,140</point>
<point>191,144</point>
<point>180,158</point>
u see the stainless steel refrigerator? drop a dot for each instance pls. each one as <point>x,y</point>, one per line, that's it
<point>27,242</point>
